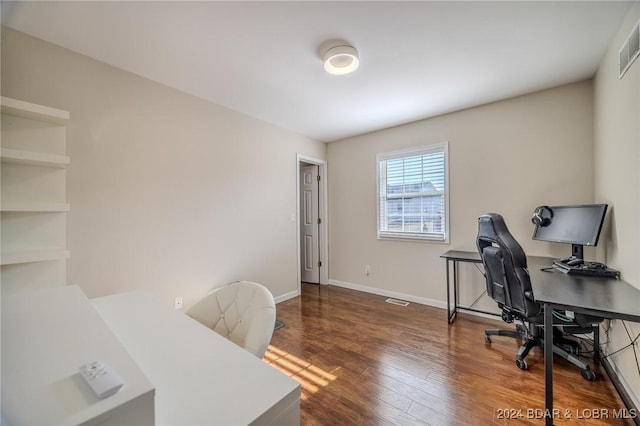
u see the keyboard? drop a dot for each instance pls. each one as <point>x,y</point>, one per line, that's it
<point>593,269</point>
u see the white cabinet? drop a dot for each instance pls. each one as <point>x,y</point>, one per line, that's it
<point>33,198</point>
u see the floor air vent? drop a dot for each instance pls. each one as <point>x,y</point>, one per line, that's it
<point>630,50</point>
<point>397,302</point>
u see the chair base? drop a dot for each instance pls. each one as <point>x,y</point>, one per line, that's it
<point>531,339</point>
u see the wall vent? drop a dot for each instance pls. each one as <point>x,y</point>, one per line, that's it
<point>397,302</point>
<point>630,50</point>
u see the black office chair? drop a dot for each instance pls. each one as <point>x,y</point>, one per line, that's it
<point>508,283</point>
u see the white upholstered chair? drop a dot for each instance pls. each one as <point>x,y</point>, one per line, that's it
<point>243,312</point>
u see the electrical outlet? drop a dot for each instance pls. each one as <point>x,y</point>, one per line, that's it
<point>177,303</point>
<point>367,270</point>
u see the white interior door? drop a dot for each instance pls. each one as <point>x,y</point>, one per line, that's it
<point>309,225</point>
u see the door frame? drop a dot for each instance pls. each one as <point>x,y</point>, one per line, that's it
<point>323,234</point>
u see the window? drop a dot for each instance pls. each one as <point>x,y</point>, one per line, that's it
<point>413,193</point>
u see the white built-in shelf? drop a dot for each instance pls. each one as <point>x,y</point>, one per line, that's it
<point>11,258</point>
<point>32,158</point>
<point>33,111</point>
<point>33,196</point>
<point>34,207</point>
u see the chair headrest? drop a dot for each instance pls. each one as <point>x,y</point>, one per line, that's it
<point>492,229</point>
<point>490,225</point>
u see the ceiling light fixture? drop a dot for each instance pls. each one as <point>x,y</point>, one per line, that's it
<point>340,60</point>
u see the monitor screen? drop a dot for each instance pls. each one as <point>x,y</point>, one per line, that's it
<point>580,225</point>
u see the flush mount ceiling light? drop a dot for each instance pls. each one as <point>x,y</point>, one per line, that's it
<point>340,60</point>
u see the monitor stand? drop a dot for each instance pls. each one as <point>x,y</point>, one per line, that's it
<point>577,251</point>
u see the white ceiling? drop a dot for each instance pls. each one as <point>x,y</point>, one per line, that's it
<point>417,59</point>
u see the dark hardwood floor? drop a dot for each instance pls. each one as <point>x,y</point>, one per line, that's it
<point>362,361</point>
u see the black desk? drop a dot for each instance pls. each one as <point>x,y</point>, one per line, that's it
<point>602,297</point>
<point>453,257</point>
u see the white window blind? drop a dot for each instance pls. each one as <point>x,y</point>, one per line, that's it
<point>413,193</point>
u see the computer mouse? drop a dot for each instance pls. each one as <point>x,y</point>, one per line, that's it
<point>575,262</point>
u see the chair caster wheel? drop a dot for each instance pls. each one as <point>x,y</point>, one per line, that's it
<point>522,364</point>
<point>588,374</point>
<point>487,339</point>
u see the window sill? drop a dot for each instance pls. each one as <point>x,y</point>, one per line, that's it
<point>412,238</point>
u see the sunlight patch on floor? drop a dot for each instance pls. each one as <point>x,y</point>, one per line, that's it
<point>310,377</point>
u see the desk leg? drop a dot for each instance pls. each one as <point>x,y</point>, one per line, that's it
<point>448,298</point>
<point>455,288</point>
<point>548,365</point>
<point>596,344</point>
<point>451,312</point>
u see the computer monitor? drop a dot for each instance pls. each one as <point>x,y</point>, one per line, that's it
<point>576,225</point>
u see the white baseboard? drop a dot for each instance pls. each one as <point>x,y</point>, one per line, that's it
<point>408,297</point>
<point>390,293</point>
<point>633,393</point>
<point>287,296</point>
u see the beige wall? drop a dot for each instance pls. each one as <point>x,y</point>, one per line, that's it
<point>506,157</point>
<point>168,192</point>
<point>617,181</point>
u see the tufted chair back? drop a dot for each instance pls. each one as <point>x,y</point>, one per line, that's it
<point>243,312</point>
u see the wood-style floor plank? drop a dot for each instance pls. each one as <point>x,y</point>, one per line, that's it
<point>361,361</point>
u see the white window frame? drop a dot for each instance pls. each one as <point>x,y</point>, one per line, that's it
<point>381,193</point>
